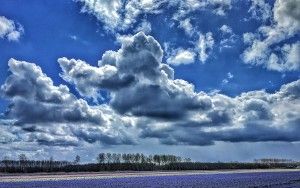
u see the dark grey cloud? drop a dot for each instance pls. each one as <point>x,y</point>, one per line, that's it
<point>252,132</point>
<point>156,101</point>
<point>261,131</point>
<point>255,116</point>
<point>153,91</point>
<point>48,139</point>
<point>92,136</point>
<point>257,109</point>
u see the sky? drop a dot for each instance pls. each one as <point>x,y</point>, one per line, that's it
<point>214,80</point>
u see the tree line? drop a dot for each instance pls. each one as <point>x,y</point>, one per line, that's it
<point>127,162</point>
<point>139,158</point>
<point>23,164</point>
<point>274,160</point>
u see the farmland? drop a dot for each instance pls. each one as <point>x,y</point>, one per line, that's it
<point>237,178</point>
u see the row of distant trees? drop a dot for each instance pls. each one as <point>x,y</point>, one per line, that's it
<point>106,161</point>
<point>139,158</point>
<point>274,160</point>
<point>24,164</point>
<point>131,162</point>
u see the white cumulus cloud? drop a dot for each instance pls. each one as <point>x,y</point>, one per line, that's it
<point>181,56</point>
<point>10,30</point>
<point>266,48</point>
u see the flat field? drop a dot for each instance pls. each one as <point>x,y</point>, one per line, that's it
<point>233,178</point>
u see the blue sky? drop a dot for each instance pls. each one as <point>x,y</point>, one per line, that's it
<point>224,48</point>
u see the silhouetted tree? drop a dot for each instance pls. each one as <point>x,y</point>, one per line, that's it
<point>77,159</point>
<point>116,158</point>
<point>51,163</point>
<point>157,159</point>
<point>22,160</point>
<point>125,158</point>
<point>109,157</point>
<point>101,158</point>
<point>143,159</point>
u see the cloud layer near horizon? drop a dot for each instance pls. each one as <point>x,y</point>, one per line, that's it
<point>144,101</point>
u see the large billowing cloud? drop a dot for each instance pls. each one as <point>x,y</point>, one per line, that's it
<point>152,91</point>
<point>173,112</point>
<point>144,101</point>
<point>9,30</point>
<point>270,46</point>
<point>52,114</point>
<point>29,87</point>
